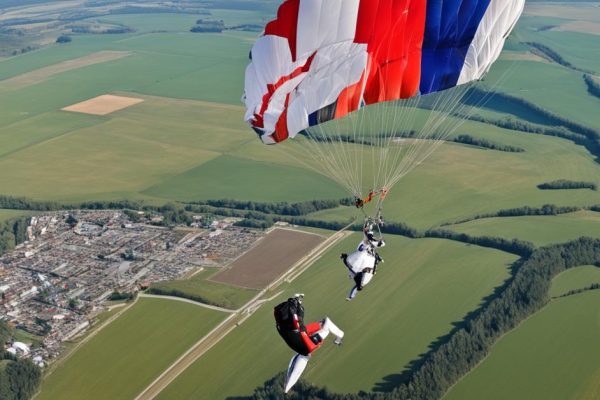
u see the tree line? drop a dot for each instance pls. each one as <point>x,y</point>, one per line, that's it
<point>117,296</point>
<point>548,53</point>
<point>523,295</point>
<point>208,26</point>
<point>269,214</point>
<point>19,378</point>
<point>280,208</point>
<point>12,233</point>
<point>480,142</point>
<point>593,286</point>
<point>551,118</point>
<point>514,246</point>
<point>564,184</point>
<point>547,209</point>
<point>592,85</point>
<point>167,291</point>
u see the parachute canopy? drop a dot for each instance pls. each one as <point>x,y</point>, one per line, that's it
<point>371,87</point>
<point>322,59</point>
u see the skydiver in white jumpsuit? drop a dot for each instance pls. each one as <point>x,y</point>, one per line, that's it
<point>362,264</point>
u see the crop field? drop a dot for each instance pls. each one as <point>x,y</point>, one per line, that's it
<point>41,74</point>
<point>103,105</point>
<point>184,144</point>
<point>430,283</point>
<point>187,141</point>
<point>269,259</point>
<point>215,293</point>
<point>226,176</point>
<point>126,356</point>
<point>444,190</point>
<point>146,149</point>
<point>540,230</point>
<point>552,356</point>
<point>550,86</point>
<point>575,279</point>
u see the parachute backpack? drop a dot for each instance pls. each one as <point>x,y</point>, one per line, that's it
<point>284,313</point>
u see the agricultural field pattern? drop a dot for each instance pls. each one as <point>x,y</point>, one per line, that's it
<point>133,106</point>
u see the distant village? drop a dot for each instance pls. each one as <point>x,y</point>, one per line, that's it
<point>56,283</point>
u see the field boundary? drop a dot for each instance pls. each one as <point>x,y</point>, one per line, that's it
<point>274,255</point>
<point>41,74</point>
<point>234,320</point>
<point>86,339</point>
<point>184,300</point>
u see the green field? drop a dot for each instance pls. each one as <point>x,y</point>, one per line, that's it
<point>444,189</point>
<point>8,214</point>
<point>123,358</point>
<point>574,279</point>
<point>214,293</point>
<point>187,141</point>
<point>540,230</point>
<point>553,355</point>
<point>186,149</point>
<point>422,288</point>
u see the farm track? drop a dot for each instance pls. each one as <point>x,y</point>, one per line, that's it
<point>41,74</point>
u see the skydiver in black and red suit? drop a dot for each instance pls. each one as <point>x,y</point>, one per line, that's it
<point>303,339</point>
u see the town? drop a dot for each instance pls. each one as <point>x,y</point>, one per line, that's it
<point>57,282</point>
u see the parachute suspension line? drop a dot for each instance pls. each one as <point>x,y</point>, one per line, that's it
<point>429,137</point>
<point>339,147</point>
<point>389,133</point>
<point>325,155</point>
<point>458,106</point>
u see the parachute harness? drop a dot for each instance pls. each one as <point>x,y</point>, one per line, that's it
<point>377,220</point>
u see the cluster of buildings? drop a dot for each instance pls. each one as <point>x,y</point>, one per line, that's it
<point>54,285</point>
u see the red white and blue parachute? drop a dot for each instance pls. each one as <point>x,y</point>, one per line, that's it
<point>320,60</point>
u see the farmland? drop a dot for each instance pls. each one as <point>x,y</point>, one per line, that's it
<point>200,287</point>
<point>431,284</point>
<point>8,214</point>
<point>182,144</point>
<point>271,258</point>
<point>575,279</point>
<point>553,355</point>
<point>540,230</point>
<point>127,355</point>
<point>187,142</point>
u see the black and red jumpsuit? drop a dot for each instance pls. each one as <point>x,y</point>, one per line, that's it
<point>303,339</point>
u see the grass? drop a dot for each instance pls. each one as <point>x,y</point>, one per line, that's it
<point>227,177</point>
<point>168,149</point>
<point>210,292</point>
<point>421,290</point>
<point>575,278</point>
<point>147,23</point>
<point>553,355</point>
<point>459,181</point>
<point>9,214</point>
<point>20,335</point>
<point>550,86</point>
<point>122,359</point>
<point>540,230</point>
<point>187,141</point>
<point>581,56</point>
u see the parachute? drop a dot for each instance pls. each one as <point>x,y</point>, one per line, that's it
<point>369,88</point>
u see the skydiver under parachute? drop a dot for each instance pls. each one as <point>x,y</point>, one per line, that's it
<point>362,263</point>
<point>303,339</point>
<point>340,68</point>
